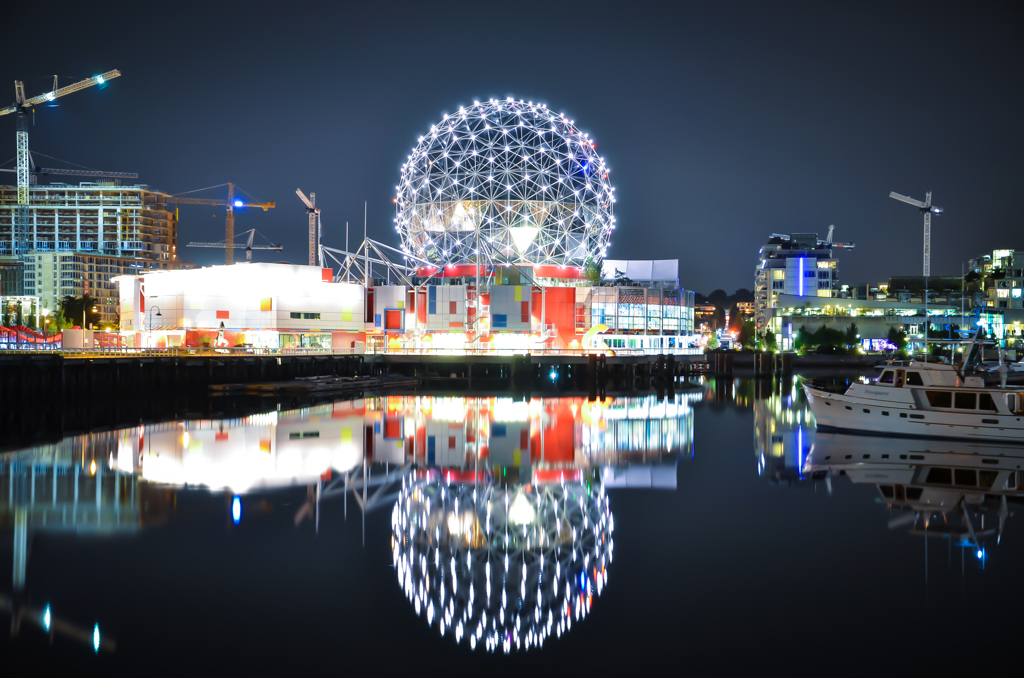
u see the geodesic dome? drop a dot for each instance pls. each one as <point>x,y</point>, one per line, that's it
<point>511,179</point>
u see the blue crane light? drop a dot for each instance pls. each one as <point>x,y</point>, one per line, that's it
<point>236,510</point>
<point>99,79</point>
<point>47,618</point>
<point>96,638</point>
<point>239,203</point>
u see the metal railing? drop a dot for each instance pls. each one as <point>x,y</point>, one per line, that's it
<point>235,352</point>
<point>370,350</point>
<point>174,351</point>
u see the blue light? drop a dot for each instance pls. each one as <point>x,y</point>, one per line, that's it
<point>99,79</point>
<point>236,510</point>
<point>46,618</point>
<point>801,292</point>
<point>553,375</point>
<point>239,203</point>
<point>981,553</point>
<point>96,638</point>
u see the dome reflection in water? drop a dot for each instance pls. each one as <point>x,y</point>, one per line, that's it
<point>503,566</point>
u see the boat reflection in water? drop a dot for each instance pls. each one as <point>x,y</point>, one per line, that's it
<point>496,501</point>
<point>938,488</point>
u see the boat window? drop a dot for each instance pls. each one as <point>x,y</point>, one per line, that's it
<point>900,494</point>
<point>966,401</point>
<point>985,402</point>
<point>899,377</point>
<point>1011,482</point>
<point>986,479</point>
<point>1011,402</point>
<point>886,377</point>
<point>914,493</point>
<point>965,476</point>
<point>940,398</point>
<point>886,491</point>
<point>914,379</point>
<point>940,476</point>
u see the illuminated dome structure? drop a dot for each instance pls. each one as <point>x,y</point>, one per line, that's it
<point>502,567</point>
<point>511,179</point>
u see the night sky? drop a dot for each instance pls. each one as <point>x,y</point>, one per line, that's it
<point>722,122</point>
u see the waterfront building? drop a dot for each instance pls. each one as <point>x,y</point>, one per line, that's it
<point>286,306</point>
<point>996,280</point>
<point>873,319</point>
<point>81,236</point>
<point>507,265</point>
<point>797,264</point>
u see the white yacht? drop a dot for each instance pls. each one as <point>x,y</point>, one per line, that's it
<point>923,399</point>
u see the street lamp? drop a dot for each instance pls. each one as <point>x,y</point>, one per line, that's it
<point>45,313</point>
<point>158,315</point>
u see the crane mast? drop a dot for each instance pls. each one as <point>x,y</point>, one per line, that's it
<point>314,226</point>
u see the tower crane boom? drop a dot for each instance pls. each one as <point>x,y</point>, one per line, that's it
<point>229,222</point>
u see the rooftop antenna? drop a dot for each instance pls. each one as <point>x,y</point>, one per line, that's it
<point>928,210</point>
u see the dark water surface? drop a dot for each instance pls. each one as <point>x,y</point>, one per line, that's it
<point>712,530</point>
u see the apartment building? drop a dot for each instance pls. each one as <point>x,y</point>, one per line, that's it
<point>996,280</point>
<point>797,264</point>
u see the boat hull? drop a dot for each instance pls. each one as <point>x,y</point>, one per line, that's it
<point>902,417</point>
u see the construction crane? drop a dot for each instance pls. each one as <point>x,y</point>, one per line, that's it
<point>928,210</point>
<point>315,256</point>
<point>229,223</point>
<point>21,108</point>
<point>249,247</point>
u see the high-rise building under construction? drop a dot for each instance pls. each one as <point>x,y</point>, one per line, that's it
<point>82,235</point>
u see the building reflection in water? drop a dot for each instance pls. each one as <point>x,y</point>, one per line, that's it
<point>491,476</point>
<point>784,433</point>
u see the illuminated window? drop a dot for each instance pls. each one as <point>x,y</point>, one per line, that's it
<point>1003,294</point>
<point>779,274</point>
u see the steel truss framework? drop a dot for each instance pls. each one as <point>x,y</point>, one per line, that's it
<point>504,567</point>
<point>511,174</point>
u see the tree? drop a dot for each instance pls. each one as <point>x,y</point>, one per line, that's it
<point>712,342</point>
<point>897,338</point>
<point>852,335</point>
<point>748,334</point>
<point>72,308</point>
<point>769,341</point>
<point>803,340</point>
<point>592,271</point>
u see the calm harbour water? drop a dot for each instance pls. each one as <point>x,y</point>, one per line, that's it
<point>712,529</point>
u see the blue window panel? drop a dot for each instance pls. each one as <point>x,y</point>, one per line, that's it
<point>432,307</point>
<point>498,430</point>
<point>376,427</point>
<point>376,320</point>
<point>431,293</point>
<point>499,321</point>
<point>430,449</point>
